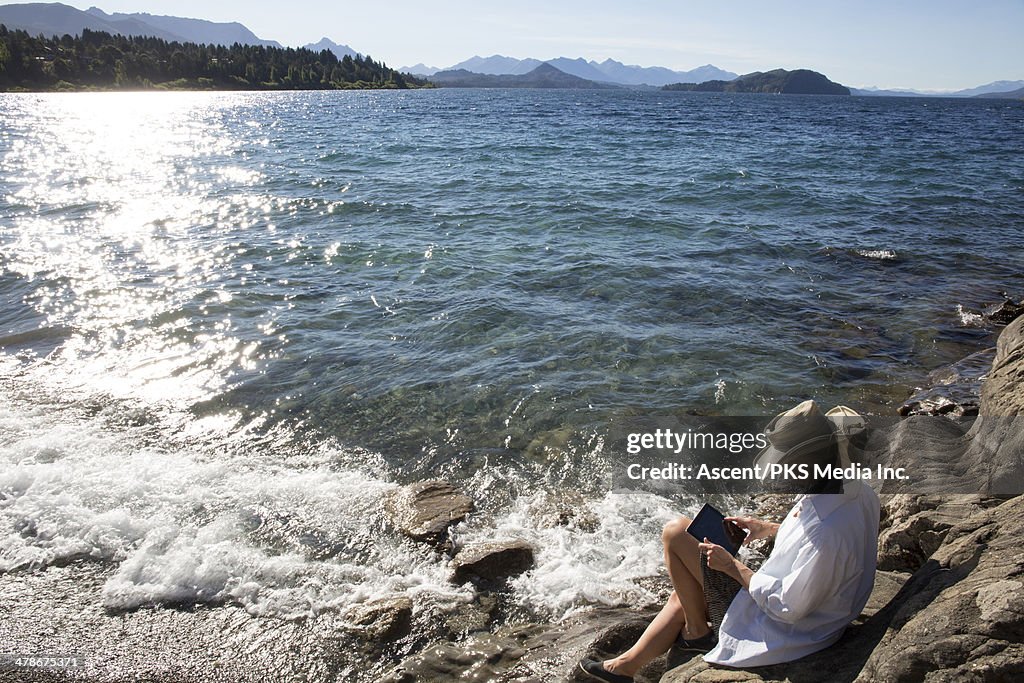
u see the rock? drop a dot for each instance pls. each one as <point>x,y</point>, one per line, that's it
<point>478,659</point>
<point>534,652</point>
<point>492,562</point>
<point>824,666</point>
<point>952,390</point>
<point>930,450</point>
<point>564,508</point>
<point>915,527</point>
<point>960,617</point>
<point>1004,313</point>
<point>382,620</point>
<point>963,615</point>
<point>1002,393</point>
<point>423,511</point>
<point>473,617</point>
<point>997,438</point>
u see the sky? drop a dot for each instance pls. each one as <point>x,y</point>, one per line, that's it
<point>927,45</point>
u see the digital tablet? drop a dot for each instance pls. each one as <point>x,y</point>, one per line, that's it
<point>710,524</point>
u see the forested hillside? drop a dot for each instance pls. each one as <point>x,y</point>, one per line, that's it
<point>101,61</point>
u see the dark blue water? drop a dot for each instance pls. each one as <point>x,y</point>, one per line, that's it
<point>440,282</point>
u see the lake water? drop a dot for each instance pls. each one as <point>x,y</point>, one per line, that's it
<point>234,322</point>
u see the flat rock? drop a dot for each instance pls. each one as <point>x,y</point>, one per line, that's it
<point>425,510</point>
<point>492,561</point>
<point>533,653</point>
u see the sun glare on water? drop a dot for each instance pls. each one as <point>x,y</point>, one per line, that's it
<point>112,211</point>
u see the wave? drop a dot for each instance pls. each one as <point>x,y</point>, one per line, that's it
<point>877,254</point>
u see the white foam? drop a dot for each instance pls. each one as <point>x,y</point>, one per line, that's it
<point>878,254</point>
<point>186,526</point>
<point>969,319</point>
<point>577,567</point>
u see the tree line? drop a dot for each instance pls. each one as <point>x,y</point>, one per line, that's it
<point>99,60</point>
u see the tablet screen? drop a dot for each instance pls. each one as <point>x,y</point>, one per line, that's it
<point>710,524</point>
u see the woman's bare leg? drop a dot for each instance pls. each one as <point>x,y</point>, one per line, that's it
<point>682,558</point>
<point>686,609</point>
<point>656,640</point>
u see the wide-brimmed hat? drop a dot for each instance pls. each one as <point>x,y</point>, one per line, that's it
<point>801,435</point>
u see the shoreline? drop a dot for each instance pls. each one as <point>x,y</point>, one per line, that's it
<point>57,608</point>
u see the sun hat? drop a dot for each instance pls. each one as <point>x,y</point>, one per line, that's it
<point>800,435</point>
<point>851,432</point>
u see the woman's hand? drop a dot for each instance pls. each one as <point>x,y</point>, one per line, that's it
<point>722,560</point>
<point>754,527</point>
<point>719,558</point>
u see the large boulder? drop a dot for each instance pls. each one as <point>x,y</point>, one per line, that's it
<point>964,618</point>
<point>423,511</point>
<point>997,437</point>
<point>1002,393</point>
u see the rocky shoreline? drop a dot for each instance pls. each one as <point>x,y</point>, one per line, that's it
<point>948,603</point>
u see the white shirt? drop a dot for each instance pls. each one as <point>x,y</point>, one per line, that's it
<point>816,581</point>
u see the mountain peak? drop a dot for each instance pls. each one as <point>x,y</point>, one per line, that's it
<point>325,43</point>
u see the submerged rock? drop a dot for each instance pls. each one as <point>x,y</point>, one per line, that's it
<point>425,510</point>
<point>1004,313</point>
<point>492,562</point>
<point>953,390</point>
<point>564,508</point>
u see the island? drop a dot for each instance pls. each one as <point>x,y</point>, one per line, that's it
<point>544,76</point>
<point>775,82</point>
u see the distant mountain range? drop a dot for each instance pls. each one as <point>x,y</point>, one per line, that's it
<point>995,87</point>
<point>1017,94</point>
<point>56,19</point>
<point>608,71</point>
<point>543,76</point>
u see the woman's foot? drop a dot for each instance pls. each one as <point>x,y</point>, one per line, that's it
<point>704,643</point>
<point>604,671</point>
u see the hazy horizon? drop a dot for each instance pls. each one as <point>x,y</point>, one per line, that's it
<point>938,46</point>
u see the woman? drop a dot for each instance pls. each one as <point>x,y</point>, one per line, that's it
<point>815,582</point>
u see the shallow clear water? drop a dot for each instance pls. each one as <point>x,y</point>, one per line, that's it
<point>233,322</point>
